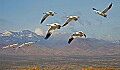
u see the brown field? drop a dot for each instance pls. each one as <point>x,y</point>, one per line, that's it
<point>59,63</point>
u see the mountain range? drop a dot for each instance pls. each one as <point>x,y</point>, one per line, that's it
<point>56,45</point>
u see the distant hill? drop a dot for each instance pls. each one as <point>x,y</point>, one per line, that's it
<point>27,35</point>
<point>57,46</point>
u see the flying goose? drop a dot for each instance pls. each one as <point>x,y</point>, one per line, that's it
<point>103,12</point>
<point>70,18</point>
<point>25,44</point>
<point>51,29</point>
<point>10,46</point>
<point>46,14</point>
<point>76,34</point>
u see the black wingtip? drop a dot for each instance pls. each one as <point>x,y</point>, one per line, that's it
<point>64,24</point>
<point>47,36</point>
<point>41,21</point>
<point>93,8</point>
<point>70,40</point>
<point>110,5</point>
<point>85,35</point>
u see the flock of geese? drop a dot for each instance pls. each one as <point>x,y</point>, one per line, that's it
<point>19,46</point>
<point>55,26</point>
<point>69,18</point>
<point>58,26</point>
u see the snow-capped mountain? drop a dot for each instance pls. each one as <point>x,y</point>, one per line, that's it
<point>17,33</point>
<point>19,36</point>
<point>7,33</point>
<point>27,35</point>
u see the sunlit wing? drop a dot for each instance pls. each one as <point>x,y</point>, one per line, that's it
<point>106,9</point>
<point>43,18</point>
<point>66,22</point>
<point>50,31</point>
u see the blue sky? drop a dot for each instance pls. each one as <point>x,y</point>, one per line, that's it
<point>17,15</point>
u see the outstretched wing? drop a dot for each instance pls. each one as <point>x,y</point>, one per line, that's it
<point>106,9</point>
<point>50,31</point>
<point>43,18</point>
<point>70,40</point>
<point>66,22</point>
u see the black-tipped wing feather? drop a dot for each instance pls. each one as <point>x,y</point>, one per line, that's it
<point>70,40</point>
<point>43,18</point>
<point>85,35</point>
<point>48,35</point>
<point>94,9</point>
<point>66,22</point>
<point>106,9</point>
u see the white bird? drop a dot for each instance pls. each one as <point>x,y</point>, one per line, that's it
<point>52,28</point>
<point>70,18</point>
<point>10,46</point>
<point>76,34</point>
<point>103,12</point>
<point>46,14</point>
<point>25,44</point>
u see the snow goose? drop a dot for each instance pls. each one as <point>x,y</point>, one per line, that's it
<point>76,34</point>
<point>25,44</point>
<point>10,46</point>
<point>46,14</point>
<point>70,18</point>
<point>51,29</point>
<point>104,11</point>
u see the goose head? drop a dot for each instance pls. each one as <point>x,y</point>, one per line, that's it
<point>105,15</point>
<point>52,13</point>
<point>58,25</point>
<point>81,32</point>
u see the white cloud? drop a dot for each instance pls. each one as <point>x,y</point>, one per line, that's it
<point>39,31</point>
